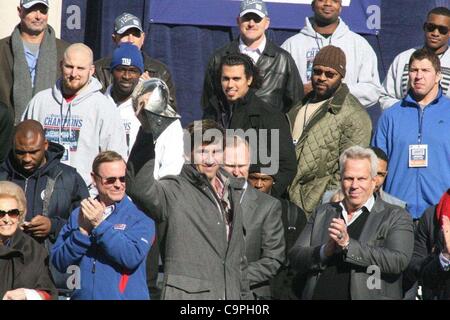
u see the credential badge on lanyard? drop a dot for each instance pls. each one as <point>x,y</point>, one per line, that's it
<point>418,156</point>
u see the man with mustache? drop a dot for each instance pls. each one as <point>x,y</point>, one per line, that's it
<point>329,120</point>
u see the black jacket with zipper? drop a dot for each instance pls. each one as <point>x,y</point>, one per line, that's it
<point>251,112</point>
<point>69,188</point>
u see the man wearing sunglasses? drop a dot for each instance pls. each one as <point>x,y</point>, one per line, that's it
<point>437,34</point>
<point>282,87</point>
<point>30,57</point>
<point>107,237</point>
<point>328,121</point>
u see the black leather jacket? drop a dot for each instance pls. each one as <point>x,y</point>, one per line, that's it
<point>282,86</point>
<point>251,112</point>
<point>155,68</point>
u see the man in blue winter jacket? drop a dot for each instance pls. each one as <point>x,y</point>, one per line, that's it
<point>107,238</point>
<point>414,135</point>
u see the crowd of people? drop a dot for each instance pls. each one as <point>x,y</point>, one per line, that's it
<point>283,190</point>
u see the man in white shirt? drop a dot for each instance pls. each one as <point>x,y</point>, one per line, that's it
<point>282,87</point>
<point>437,33</point>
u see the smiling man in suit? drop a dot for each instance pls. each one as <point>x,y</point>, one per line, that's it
<point>357,248</point>
<point>264,234</point>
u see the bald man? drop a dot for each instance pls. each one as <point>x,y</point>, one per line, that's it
<point>265,243</point>
<point>52,189</point>
<point>75,114</point>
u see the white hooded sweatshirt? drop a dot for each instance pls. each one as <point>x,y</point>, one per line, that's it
<point>362,65</point>
<point>396,84</point>
<point>87,125</point>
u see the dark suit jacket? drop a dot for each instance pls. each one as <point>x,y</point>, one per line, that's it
<point>264,239</point>
<point>251,112</point>
<point>199,261</point>
<point>386,242</point>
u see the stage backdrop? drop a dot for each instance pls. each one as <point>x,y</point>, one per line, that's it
<point>186,44</point>
<point>362,16</point>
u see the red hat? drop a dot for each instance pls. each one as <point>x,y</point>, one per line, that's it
<point>443,207</point>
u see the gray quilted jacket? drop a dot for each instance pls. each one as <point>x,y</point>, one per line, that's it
<point>339,124</point>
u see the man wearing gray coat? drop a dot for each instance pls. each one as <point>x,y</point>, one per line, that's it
<point>357,248</point>
<point>203,247</point>
<point>264,234</point>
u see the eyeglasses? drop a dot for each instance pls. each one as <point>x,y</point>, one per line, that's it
<point>430,27</point>
<point>328,74</point>
<point>13,213</point>
<point>111,180</point>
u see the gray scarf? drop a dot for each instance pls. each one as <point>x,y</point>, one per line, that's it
<point>46,70</point>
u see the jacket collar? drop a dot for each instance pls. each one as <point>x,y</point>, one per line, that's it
<point>16,247</point>
<point>376,217</point>
<point>334,105</point>
<point>409,100</point>
<point>190,173</point>
<point>269,50</point>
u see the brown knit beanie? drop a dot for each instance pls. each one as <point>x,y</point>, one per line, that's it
<point>332,57</point>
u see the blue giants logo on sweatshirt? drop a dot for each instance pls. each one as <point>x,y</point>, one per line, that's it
<point>65,132</point>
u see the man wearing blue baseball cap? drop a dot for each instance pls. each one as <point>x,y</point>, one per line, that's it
<point>128,28</point>
<point>30,57</point>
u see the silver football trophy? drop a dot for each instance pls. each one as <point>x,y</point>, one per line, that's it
<point>151,106</point>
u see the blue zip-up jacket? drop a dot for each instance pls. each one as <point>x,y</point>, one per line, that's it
<point>112,259</point>
<point>398,128</point>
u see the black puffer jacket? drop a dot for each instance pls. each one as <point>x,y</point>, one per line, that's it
<point>282,86</point>
<point>24,264</point>
<point>69,188</point>
<point>252,113</point>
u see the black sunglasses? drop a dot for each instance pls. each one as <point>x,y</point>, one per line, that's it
<point>13,213</point>
<point>111,180</point>
<point>430,27</point>
<point>328,74</point>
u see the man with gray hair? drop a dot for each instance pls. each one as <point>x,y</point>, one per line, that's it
<point>75,114</point>
<point>30,57</point>
<point>357,248</point>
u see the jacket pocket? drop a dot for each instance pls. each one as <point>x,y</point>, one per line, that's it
<point>183,287</point>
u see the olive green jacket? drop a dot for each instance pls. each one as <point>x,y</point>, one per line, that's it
<point>340,123</point>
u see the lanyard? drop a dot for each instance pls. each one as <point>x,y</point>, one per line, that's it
<point>64,121</point>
